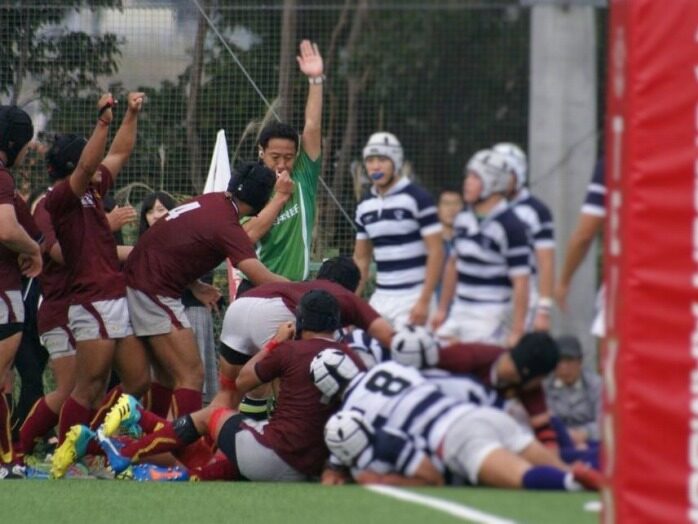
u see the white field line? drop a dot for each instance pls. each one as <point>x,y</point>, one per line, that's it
<point>452,508</point>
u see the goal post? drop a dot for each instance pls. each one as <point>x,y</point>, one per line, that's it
<point>650,358</point>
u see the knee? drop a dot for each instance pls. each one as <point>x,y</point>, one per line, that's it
<point>90,390</point>
<point>137,385</point>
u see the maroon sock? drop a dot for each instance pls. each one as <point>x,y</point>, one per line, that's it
<point>72,413</point>
<point>186,401</point>
<point>219,468</point>
<point>160,399</point>
<point>163,440</point>
<point>109,400</point>
<point>6,449</point>
<point>149,421</point>
<point>40,420</point>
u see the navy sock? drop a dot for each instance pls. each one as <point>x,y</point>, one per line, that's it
<point>588,456</point>
<point>544,477</point>
<point>561,434</point>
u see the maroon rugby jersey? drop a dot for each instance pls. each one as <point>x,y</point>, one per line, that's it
<point>53,311</point>
<point>478,359</point>
<point>87,243</point>
<point>10,274</point>
<point>295,430</point>
<point>188,242</point>
<point>354,310</point>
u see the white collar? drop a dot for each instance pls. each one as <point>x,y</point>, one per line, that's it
<point>401,184</point>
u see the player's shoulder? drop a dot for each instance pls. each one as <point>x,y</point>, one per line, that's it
<point>509,219</point>
<point>540,208</point>
<point>420,194</point>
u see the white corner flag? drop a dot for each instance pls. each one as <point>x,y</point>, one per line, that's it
<point>217,180</point>
<point>219,171</point>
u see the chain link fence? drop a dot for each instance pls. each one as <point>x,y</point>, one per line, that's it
<point>448,77</point>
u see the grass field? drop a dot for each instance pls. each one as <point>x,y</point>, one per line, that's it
<point>78,501</point>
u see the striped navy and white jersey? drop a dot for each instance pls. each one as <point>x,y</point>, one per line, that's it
<point>490,251</point>
<point>537,217</point>
<point>595,201</point>
<point>396,223</point>
<point>367,348</point>
<point>400,396</point>
<point>463,387</point>
<point>410,413</point>
<point>371,391</point>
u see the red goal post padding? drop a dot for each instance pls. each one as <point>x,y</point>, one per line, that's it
<point>651,263</point>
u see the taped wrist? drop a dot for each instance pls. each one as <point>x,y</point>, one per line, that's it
<point>185,429</point>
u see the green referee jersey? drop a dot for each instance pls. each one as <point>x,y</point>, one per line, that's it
<point>285,249</point>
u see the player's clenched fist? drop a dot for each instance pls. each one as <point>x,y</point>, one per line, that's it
<point>135,101</point>
<point>104,108</point>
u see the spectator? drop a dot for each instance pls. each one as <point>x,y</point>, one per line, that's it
<point>574,394</point>
<point>449,205</point>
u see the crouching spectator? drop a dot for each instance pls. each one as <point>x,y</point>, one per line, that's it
<point>574,394</point>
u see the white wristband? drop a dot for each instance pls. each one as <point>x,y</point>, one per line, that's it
<point>545,303</point>
<point>316,80</point>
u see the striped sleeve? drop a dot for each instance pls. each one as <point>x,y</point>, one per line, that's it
<point>397,448</point>
<point>595,201</point>
<point>518,249</point>
<point>544,237</point>
<point>361,233</point>
<point>427,217</point>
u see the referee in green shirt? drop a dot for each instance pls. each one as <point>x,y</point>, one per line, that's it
<point>283,229</point>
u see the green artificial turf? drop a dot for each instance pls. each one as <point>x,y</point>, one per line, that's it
<point>94,501</point>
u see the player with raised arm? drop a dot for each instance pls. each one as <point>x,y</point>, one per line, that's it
<point>288,447</point>
<point>397,225</point>
<point>19,254</point>
<point>98,313</point>
<point>283,230</point>
<point>537,217</point>
<point>52,317</point>
<point>490,268</point>
<point>191,240</point>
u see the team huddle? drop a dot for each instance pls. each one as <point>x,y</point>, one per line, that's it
<point>437,379</point>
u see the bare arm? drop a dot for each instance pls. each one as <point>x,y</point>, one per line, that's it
<point>12,234</point>
<point>258,272</point>
<point>545,260</point>
<point>580,241</point>
<point>382,331</point>
<point>448,290</point>
<point>56,253</point>
<point>435,261</point>
<point>122,252</point>
<point>248,379</point>
<point>311,65</point>
<point>258,226</point>
<point>93,152</point>
<point>425,475</point>
<point>363,252</point>
<point>520,284</point>
<point>125,139</point>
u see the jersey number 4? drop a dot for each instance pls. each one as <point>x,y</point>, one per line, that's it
<point>180,210</point>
